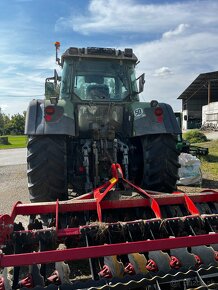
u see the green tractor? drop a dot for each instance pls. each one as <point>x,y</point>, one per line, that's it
<point>90,118</point>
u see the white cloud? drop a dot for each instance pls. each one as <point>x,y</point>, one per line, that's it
<point>129,16</point>
<point>8,69</point>
<point>24,75</point>
<point>163,72</point>
<point>185,56</point>
<point>184,39</point>
<point>179,30</point>
<point>21,85</point>
<point>13,105</point>
<point>46,63</point>
<point>178,41</point>
<point>3,107</point>
<point>34,77</point>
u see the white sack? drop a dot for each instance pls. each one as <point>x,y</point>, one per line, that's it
<point>190,172</point>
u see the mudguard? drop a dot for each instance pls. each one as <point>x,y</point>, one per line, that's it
<point>146,122</point>
<point>63,122</point>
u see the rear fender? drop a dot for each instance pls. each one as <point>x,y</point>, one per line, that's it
<point>146,122</point>
<point>61,123</point>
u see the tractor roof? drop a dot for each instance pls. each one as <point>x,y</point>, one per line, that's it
<point>99,52</point>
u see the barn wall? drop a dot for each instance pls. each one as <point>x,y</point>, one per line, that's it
<point>210,114</point>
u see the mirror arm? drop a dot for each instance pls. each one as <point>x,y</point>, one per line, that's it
<point>57,47</point>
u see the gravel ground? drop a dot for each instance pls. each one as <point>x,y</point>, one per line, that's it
<point>13,156</point>
<point>13,186</point>
<point>206,184</point>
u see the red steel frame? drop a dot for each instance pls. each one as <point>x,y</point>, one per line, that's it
<point>105,250</point>
<point>95,201</point>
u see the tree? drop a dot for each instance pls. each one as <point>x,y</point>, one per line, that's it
<point>16,124</point>
<point>4,121</point>
<point>1,124</point>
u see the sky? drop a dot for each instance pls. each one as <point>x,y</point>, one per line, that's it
<point>175,41</point>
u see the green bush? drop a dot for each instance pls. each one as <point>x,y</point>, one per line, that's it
<point>4,140</point>
<point>194,136</point>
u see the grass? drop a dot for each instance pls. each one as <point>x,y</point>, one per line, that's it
<point>194,136</point>
<point>209,169</point>
<point>209,163</point>
<point>15,142</point>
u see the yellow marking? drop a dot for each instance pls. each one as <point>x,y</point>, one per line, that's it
<point>116,267</point>
<point>139,262</point>
<point>113,180</point>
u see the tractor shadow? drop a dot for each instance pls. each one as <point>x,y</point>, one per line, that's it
<point>209,158</point>
<point>208,183</point>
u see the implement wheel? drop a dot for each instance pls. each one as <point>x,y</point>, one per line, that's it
<point>160,158</point>
<point>47,168</point>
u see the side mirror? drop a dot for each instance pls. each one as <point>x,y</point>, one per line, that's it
<point>141,80</point>
<point>52,87</point>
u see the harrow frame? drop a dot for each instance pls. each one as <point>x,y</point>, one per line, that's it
<point>97,201</point>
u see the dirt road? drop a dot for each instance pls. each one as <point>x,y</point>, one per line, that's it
<point>13,186</point>
<point>12,156</point>
<point>13,179</point>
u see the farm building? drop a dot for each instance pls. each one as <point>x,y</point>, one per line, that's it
<point>200,102</point>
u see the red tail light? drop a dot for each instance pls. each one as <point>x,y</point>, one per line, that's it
<point>158,111</point>
<point>81,169</point>
<point>50,110</point>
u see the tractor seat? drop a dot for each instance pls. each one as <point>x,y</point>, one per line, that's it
<point>97,91</point>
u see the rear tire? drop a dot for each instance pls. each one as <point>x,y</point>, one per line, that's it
<point>160,156</point>
<point>47,168</point>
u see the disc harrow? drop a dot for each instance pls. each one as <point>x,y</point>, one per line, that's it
<point>117,237</point>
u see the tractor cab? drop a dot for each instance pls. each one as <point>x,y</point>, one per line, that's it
<point>98,80</point>
<point>99,74</point>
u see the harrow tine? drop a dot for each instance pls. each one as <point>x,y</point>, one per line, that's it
<point>16,277</point>
<point>64,272</point>
<point>34,278</point>
<point>212,222</point>
<point>61,275</point>
<point>138,261</point>
<point>38,279</point>
<point>116,267</point>
<point>18,248</point>
<point>161,259</point>
<point>5,282</point>
<point>92,261</point>
<point>186,259</point>
<point>157,286</point>
<point>16,272</point>
<point>201,281</point>
<point>207,255</point>
<point>44,244</point>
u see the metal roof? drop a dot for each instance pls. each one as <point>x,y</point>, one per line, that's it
<point>199,86</point>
